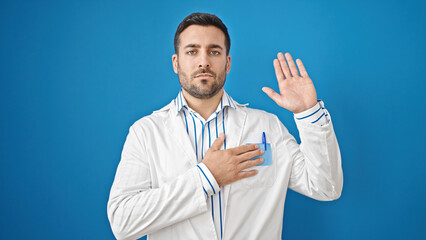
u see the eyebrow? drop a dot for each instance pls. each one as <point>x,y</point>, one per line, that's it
<point>193,45</point>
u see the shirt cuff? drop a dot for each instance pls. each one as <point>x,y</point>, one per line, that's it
<point>209,183</point>
<point>316,115</point>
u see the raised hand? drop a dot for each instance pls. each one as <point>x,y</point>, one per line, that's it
<point>297,92</point>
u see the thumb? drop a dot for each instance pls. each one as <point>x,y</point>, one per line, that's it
<point>272,94</point>
<point>218,142</point>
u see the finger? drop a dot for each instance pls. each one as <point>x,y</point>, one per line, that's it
<point>283,65</point>
<point>249,155</point>
<point>244,148</point>
<point>278,71</point>
<point>272,94</point>
<point>246,174</point>
<point>302,68</point>
<point>218,142</point>
<point>293,68</point>
<point>250,163</point>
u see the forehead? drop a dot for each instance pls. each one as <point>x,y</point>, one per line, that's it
<point>202,35</point>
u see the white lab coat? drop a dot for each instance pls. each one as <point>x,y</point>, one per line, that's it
<point>157,189</point>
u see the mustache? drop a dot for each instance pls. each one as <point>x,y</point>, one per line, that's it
<point>203,70</point>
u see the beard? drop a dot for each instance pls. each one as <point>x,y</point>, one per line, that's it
<point>204,89</point>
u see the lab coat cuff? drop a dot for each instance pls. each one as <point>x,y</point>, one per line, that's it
<point>210,186</point>
<point>317,115</point>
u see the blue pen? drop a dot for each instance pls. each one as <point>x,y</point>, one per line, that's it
<point>264,140</point>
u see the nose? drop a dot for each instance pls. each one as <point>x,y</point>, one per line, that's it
<point>204,61</point>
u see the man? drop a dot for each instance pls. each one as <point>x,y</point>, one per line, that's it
<point>207,167</point>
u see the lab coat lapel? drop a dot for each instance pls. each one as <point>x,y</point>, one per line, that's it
<point>179,136</point>
<point>236,123</point>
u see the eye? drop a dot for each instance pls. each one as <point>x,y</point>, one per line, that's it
<point>214,52</point>
<point>191,52</point>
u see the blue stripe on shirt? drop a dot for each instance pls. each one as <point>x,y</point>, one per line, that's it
<point>309,114</point>
<point>217,135</point>
<point>205,192</point>
<point>230,101</point>
<point>318,118</point>
<point>223,124</point>
<point>202,139</point>
<point>220,210</point>
<point>208,126</point>
<point>195,136</point>
<point>207,179</point>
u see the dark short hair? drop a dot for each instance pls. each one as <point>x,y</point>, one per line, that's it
<point>203,19</point>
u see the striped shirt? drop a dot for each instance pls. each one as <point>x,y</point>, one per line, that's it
<point>203,133</point>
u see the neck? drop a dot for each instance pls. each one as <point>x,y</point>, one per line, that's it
<point>204,107</point>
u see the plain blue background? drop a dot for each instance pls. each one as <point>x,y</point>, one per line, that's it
<point>76,74</point>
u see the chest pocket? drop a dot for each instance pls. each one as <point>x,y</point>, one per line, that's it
<point>265,176</point>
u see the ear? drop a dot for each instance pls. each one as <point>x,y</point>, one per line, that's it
<point>228,64</point>
<point>175,63</point>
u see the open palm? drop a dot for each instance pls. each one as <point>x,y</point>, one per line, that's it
<point>297,92</point>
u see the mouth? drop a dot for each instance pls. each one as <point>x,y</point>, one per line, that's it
<point>203,75</point>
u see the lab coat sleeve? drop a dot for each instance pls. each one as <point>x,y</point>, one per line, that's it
<point>136,209</point>
<point>316,163</point>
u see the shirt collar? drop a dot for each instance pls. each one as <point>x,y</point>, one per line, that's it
<point>225,101</point>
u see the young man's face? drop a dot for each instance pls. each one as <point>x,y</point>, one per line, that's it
<point>202,63</point>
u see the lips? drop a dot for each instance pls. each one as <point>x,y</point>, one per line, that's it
<point>203,75</point>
